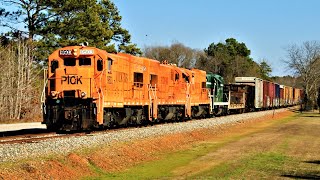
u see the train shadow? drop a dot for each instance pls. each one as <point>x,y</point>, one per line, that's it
<point>305,175</point>
<point>301,176</point>
<point>313,162</point>
<point>23,132</point>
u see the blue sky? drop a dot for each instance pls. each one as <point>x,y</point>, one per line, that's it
<point>266,27</point>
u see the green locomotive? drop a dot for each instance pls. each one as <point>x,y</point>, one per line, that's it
<point>218,94</point>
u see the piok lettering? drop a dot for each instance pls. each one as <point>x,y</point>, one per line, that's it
<point>71,79</point>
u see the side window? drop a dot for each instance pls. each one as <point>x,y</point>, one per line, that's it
<point>99,65</point>
<point>109,64</point>
<point>216,84</point>
<point>176,77</point>
<point>54,65</point>
<point>69,61</point>
<point>153,80</point>
<point>203,85</point>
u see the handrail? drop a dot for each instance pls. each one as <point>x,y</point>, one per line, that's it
<point>43,97</point>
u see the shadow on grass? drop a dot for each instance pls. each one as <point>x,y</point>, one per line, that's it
<point>305,175</point>
<point>310,116</point>
<point>313,162</point>
<point>305,113</point>
<point>301,176</point>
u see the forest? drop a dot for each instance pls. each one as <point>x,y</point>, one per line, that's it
<point>35,28</point>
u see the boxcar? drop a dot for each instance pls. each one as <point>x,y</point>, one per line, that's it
<point>290,99</point>
<point>258,89</point>
<point>241,97</point>
<point>277,95</point>
<point>297,96</point>
<point>266,94</point>
<point>271,94</point>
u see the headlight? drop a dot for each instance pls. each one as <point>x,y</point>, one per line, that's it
<point>75,52</point>
<point>83,94</point>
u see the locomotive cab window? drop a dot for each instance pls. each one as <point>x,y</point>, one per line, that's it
<point>185,77</point>
<point>138,79</point>
<point>54,65</point>
<point>84,61</point>
<point>69,61</point>
<point>99,65</point>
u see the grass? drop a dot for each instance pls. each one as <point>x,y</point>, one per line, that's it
<point>275,161</point>
<point>260,164</point>
<point>164,167</point>
<point>160,168</point>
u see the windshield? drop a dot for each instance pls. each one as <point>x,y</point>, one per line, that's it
<point>73,61</point>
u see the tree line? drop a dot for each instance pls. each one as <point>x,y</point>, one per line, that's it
<point>229,59</point>
<point>35,28</point>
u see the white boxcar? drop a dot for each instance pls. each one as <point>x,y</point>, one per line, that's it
<point>258,83</point>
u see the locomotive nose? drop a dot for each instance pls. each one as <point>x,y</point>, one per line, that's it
<point>73,82</point>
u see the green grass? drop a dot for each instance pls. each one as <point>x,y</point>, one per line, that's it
<point>168,162</point>
<point>159,168</point>
<point>260,164</point>
<point>267,164</point>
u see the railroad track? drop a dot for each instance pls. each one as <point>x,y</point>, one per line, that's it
<point>26,136</point>
<point>34,136</point>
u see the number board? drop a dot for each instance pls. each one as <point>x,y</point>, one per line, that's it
<point>86,51</point>
<point>65,52</point>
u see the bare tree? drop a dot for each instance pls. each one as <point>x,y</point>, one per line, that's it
<point>177,53</point>
<point>18,83</point>
<point>304,60</point>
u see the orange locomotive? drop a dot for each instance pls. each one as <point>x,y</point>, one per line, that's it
<point>88,87</point>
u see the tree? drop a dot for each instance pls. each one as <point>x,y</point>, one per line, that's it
<point>230,59</point>
<point>58,23</point>
<point>26,18</point>
<point>177,53</point>
<point>304,60</point>
<point>97,23</point>
<point>265,69</point>
<point>19,91</point>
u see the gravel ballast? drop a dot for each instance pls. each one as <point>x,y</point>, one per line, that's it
<point>18,151</point>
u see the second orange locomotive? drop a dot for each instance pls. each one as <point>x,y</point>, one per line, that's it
<point>88,87</point>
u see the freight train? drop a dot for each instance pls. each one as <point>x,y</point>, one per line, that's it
<point>88,88</point>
